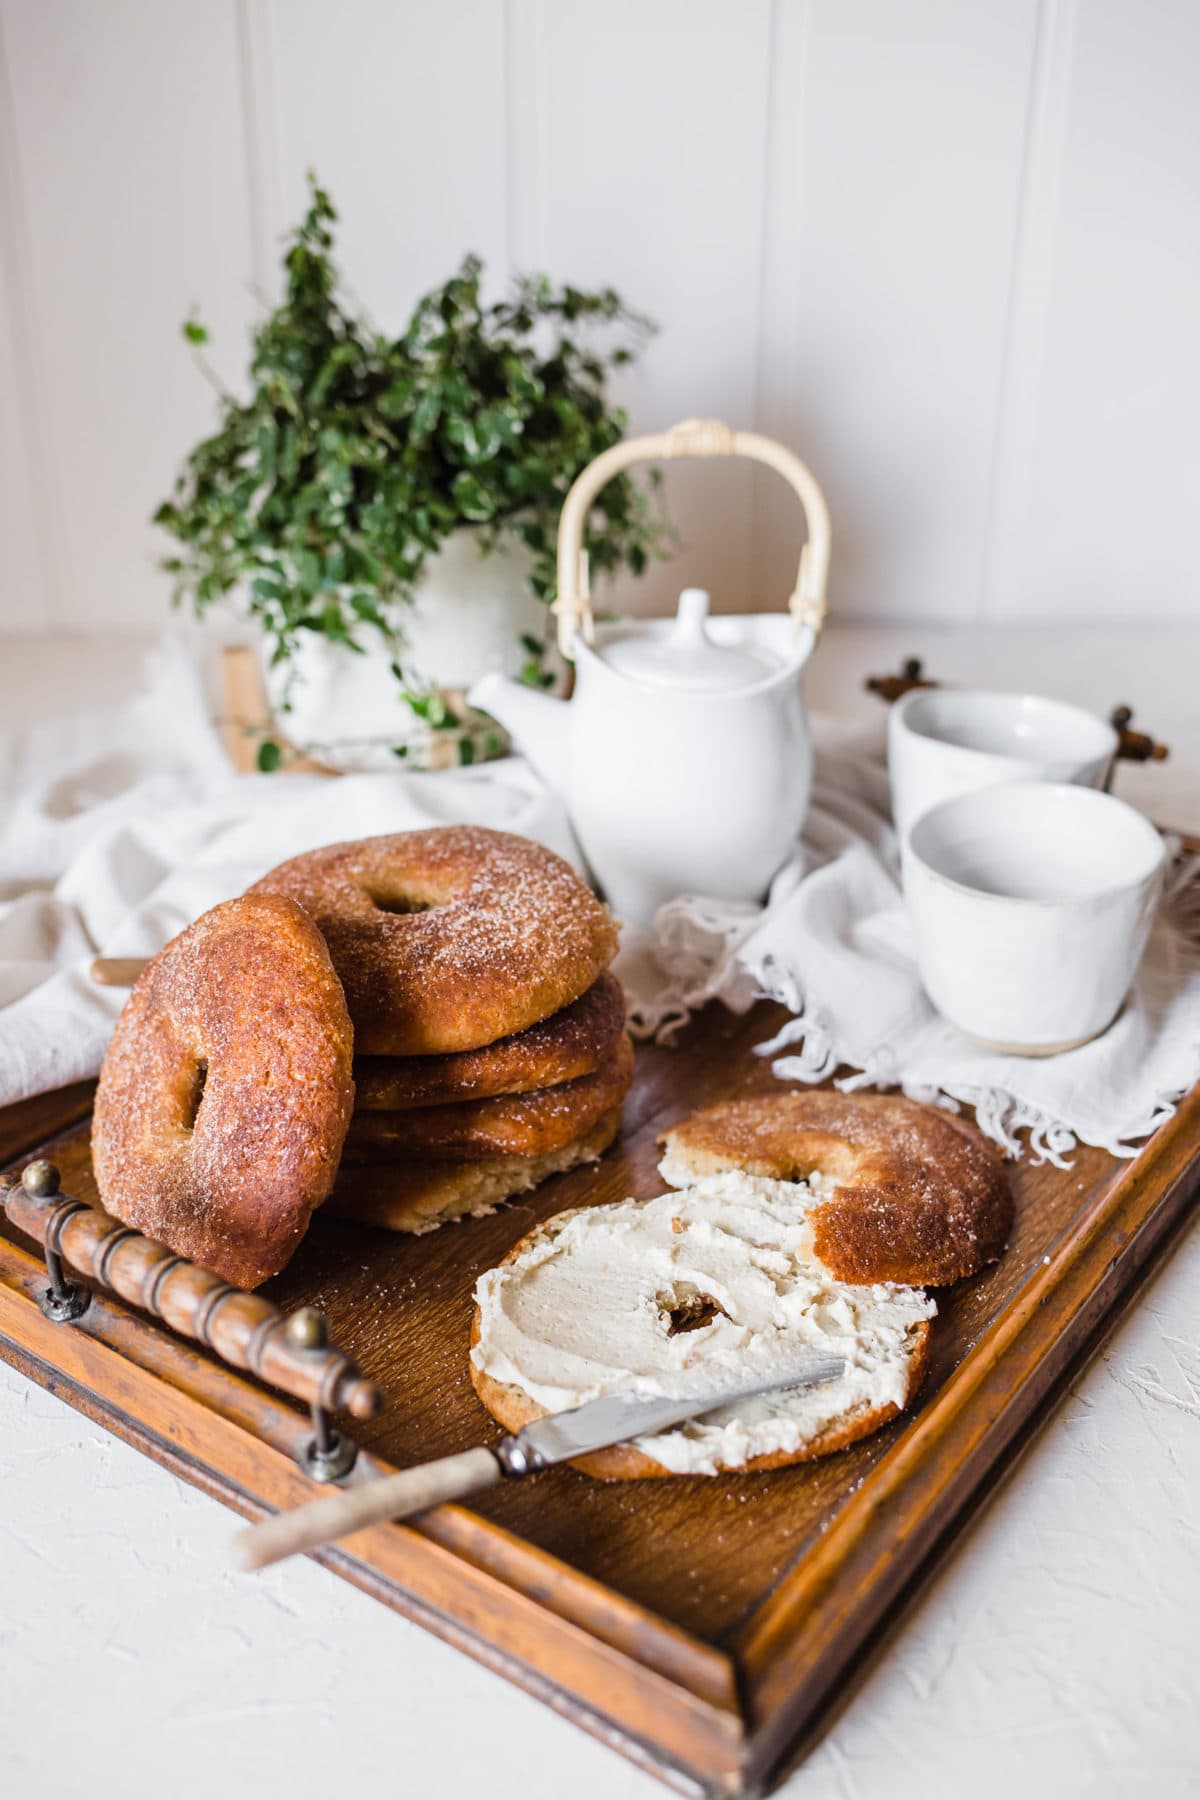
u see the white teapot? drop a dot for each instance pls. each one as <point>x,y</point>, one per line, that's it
<point>683,755</point>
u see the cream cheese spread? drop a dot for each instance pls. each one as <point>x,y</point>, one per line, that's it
<point>701,1289</point>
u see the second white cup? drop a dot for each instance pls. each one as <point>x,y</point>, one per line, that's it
<point>946,741</point>
<point>1031,905</point>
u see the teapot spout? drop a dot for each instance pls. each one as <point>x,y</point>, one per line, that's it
<point>536,723</point>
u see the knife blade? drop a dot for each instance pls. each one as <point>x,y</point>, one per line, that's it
<point>617,1418</point>
<point>596,1425</point>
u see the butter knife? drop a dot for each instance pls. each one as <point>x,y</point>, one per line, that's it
<point>596,1425</point>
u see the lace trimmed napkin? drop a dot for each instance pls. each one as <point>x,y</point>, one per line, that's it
<point>121,827</point>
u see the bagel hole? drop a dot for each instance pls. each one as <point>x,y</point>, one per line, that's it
<point>195,1095</point>
<point>688,1308</point>
<point>397,903</point>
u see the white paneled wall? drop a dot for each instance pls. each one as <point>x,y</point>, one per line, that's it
<point>1099,511</point>
<point>948,249</point>
<point>130,170</point>
<point>643,151</point>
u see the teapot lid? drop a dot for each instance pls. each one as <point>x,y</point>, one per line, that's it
<point>680,653</point>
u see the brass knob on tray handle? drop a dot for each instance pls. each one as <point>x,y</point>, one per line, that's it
<point>1134,746</point>
<point>247,1332</point>
<point>894,687</point>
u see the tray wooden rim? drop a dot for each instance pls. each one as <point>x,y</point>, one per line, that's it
<point>704,1718</point>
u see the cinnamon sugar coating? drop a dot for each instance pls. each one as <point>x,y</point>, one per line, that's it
<point>570,1043</point>
<point>529,1125</point>
<point>448,939</point>
<point>226,1091</point>
<point>921,1196</point>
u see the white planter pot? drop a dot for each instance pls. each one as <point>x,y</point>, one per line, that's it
<point>467,617</point>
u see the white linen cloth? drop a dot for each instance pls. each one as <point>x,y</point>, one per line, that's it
<point>118,829</point>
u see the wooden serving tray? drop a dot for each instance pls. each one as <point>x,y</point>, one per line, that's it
<point>704,1627</point>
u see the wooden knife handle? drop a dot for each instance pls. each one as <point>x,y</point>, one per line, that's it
<point>389,1497</point>
<point>243,1329</point>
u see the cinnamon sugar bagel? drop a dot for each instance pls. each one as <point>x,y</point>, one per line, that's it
<point>570,1043</point>
<point>902,1192</point>
<point>417,1196</point>
<point>451,938</point>
<point>507,1125</point>
<point>698,1292</point>
<point>226,1090</point>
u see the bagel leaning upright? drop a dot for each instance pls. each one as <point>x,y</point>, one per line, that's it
<point>226,1090</point>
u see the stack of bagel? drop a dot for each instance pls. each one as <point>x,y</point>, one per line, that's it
<point>407,1028</point>
<point>490,1048</point>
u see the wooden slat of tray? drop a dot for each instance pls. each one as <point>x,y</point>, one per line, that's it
<point>703,1625</point>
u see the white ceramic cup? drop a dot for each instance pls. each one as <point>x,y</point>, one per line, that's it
<point>1031,905</point>
<point>946,741</point>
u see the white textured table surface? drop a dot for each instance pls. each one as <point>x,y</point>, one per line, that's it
<point>1058,1653</point>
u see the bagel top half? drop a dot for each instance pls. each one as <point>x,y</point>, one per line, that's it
<point>901,1192</point>
<point>448,939</point>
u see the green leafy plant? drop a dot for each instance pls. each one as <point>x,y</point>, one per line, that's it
<point>322,495</point>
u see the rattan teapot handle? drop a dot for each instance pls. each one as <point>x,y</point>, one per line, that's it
<point>694,437</point>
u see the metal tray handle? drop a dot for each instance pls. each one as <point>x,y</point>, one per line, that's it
<point>291,1352</point>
